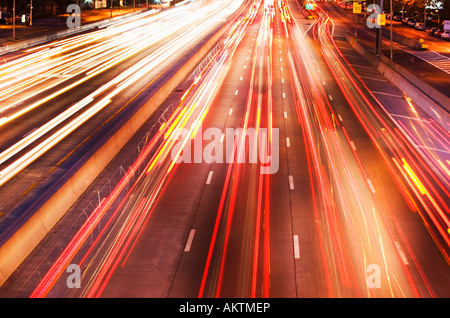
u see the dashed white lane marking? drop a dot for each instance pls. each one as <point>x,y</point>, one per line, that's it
<point>353,145</point>
<point>187,248</point>
<point>296,247</point>
<point>371,186</point>
<point>401,253</point>
<point>208,181</point>
<point>291,182</point>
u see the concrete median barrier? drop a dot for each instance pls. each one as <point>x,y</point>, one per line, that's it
<point>14,251</point>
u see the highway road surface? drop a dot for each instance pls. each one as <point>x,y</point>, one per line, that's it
<point>272,171</point>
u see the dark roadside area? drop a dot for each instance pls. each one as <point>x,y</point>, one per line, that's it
<point>402,55</point>
<point>48,25</point>
<point>430,74</point>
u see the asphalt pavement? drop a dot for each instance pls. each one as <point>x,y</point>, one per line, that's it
<point>305,242</point>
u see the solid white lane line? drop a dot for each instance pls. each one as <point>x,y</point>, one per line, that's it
<point>362,66</point>
<point>382,93</point>
<point>374,79</point>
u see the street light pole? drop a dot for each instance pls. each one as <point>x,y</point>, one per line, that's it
<point>403,10</point>
<point>31,12</point>
<point>379,32</point>
<point>81,9</point>
<point>14,19</point>
<point>392,56</point>
<point>425,15</point>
